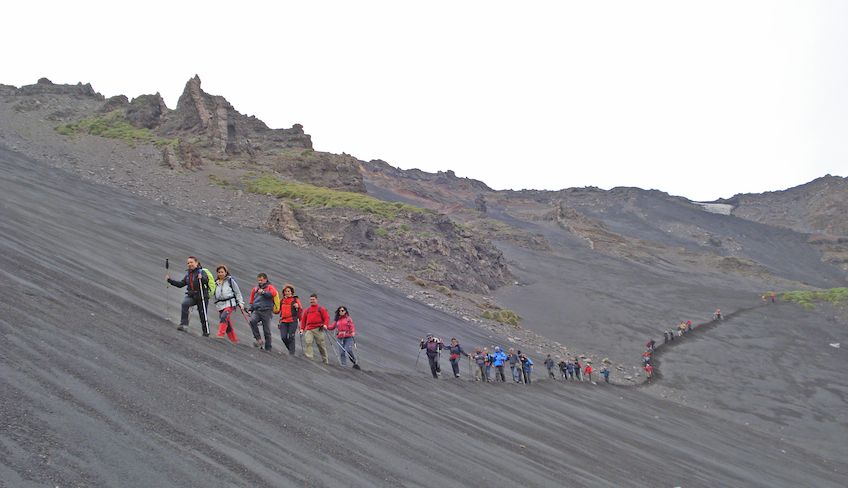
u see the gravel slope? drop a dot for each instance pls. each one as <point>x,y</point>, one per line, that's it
<point>97,389</point>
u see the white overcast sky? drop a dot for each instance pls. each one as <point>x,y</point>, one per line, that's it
<point>699,99</point>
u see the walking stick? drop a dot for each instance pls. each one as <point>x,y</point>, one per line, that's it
<point>167,307</point>
<point>419,356</point>
<point>327,335</point>
<point>200,274</point>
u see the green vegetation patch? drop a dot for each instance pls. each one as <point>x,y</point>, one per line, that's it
<point>317,196</point>
<point>503,316</point>
<point>808,298</point>
<point>113,126</point>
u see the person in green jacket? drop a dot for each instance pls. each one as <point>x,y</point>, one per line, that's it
<point>200,285</point>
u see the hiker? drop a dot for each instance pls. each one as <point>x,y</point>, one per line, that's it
<point>562,369</point>
<point>227,298</point>
<point>498,360</point>
<point>513,361</point>
<point>345,333</point>
<point>488,358</point>
<point>433,346</point>
<point>665,336</point>
<point>688,326</point>
<point>526,368</point>
<point>455,353</point>
<point>717,314</point>
<point>549,363</point>
<point>312,323</point>
<point>587,372</point>
<point>264,303</point>
<point>650,344</point>
<point>605,372</point>
<point>649,371</point>
<point>290,309</point>
<point>569,368</point>
<point>646,357</point>
<point>480,360</point>
<point>577,369</point>
<point>773,297</point>
<point>199,285</point>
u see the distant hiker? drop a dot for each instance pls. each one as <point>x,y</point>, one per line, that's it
<point>514,365</point>
<point>433,346</point>
<point>562,370</point>
<point>549,363</point>
<point>488,357</point>
<point>264,303</point>
<point>717,314</point>
<point>498,360</point>
<point>312,323</point>
<point>605,372</point>
<point>646,357</point>
<point>526,368</point>
<point>650,344</point>
<point>569,368</point>
<point>587,372</point>
<point>290,309</point>
<point>688,326</point>
<point>480,360</point>
<point>456,352</point>
<point>577,369</point>
<point>345,333</point>
<point>765,299</point>
<point>200,285</point>
<point>681,328</point>
<point>773,297</point>
<point>665,337</point>
<point>227,298</point>
<point>649,372</point>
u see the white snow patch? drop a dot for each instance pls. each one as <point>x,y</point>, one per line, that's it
<point>716,208</point>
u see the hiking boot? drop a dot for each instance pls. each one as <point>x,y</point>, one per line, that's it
<point>218,337</point>
<point>181,328</point>
<point>257,342</point>
<point>206,334</point>
<point>356,366</point>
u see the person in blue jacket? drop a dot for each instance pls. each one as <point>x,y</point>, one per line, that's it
<point>526,368</point>
<point>498,360</point>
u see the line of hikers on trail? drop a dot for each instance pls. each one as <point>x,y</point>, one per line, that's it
<point>311,323</point>
<point>483,363</point>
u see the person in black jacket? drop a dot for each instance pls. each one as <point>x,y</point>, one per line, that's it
<point>433,346</point>
<point>196,282</point>
<point>456,352</point>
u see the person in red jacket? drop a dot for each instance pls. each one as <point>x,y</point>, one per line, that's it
<point>290,309</point>
<point>312,324</point>
<point>345,333</point>
<point>587,372</point>
<point>649,371</point>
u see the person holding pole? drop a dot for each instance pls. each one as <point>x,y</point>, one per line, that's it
<point>314,319</point>
<point>199,284</point>
<point>345,333</point>
<point>227,297</point>
<point>264,303</point>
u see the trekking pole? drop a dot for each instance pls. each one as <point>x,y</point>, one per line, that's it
<point>349,355</point>
<point>419,357</point>
<point>327,335</point>
<point>203,300</point>
<point>167,307</point>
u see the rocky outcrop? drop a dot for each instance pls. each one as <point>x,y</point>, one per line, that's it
<point>426,245</point>
<point>47,87</point>
<point>227,132</point>
<point>118,102</point>
<point>146,111</point>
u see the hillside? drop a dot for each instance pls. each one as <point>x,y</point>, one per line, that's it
<point>99,389</point>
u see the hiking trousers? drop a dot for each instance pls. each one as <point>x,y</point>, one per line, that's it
<point>499,371</point>
<point>455,366</point>
<point>263,316</point>
<point>346,350</point>
<point>526,376</point>
<point>316,335</point>
<point>225,324</point>
<point>483,374</point>
<point>287,332</point>
<point>516,373</point>
<point>434,365</point>
<point>195,301</point>
<point>551,373</point>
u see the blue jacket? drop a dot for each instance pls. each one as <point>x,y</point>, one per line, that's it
<point>528,365</point>
<point>499,359</point>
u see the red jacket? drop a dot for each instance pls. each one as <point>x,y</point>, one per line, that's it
<point>344,328</point>
<point>587,369</point>
<point>285,309</point>
<point>314,317</point>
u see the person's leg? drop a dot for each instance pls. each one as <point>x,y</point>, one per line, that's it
<point>290,329</point>
<point>322,345</point>
<point>223,319</point>
<point>432,361</point>
<point>267,315</point>
<point>307,346</point>
<point>483,374</point>
<point>187,303</point>
<point>455,367</point>
<point>231,331</point>
<point>340,347</point>
<point>203,316</point>
<point>255,317</point>
<point>501,371</point>
<point>347,346</point>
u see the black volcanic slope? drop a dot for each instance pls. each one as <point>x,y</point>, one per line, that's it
<point>97,389</point>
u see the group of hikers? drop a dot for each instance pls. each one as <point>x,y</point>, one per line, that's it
<point>483,363</point>
<point>264,303</point>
